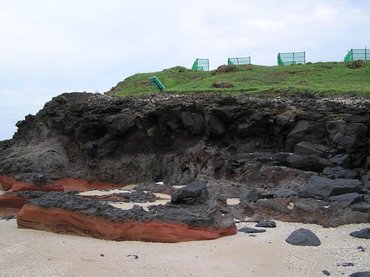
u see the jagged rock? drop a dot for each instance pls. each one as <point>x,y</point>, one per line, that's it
<point>313,163</point>
<point>322,187</point>
<point>284,192</point>
<point>347,199</point>
<point>39,179</point>
<point>341,160</point>
<point>366,180</point>
<point>266,223</point>
<point>194,193</point>
<point>306,148</point>
<point>214,126</point>
<point>301,129</point>
<point>69,213</point>
<point>351,136</point>
<point>119,124</point>
<point>253,195</point>
<point>361,207</point>
<point>303,237</point>
<point>340,172</point>
<point>248,230</point>
<point>362,234</point>
<point>194,122</point>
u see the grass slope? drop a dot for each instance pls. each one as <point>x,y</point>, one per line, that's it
<point>332,78</point>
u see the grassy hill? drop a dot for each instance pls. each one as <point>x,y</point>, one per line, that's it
<point>333,78</point>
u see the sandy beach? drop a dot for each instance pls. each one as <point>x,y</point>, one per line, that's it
<point>27,252</point>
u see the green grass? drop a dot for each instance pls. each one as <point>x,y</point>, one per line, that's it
<point>328,78</point>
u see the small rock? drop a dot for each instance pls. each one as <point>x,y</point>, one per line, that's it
<point>266,223</point>
<point>325,272</point>
<point>248,230</point>
<point>360,248</point>
<point>303,237</point>
<point>362,234</point>
<point>134,256</point>
<point>346,264</point>
<point>39,179</point>
<point>101,255</point>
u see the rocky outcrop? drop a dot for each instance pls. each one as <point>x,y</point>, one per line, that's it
<point>297,157</point>
<point>69,213</point>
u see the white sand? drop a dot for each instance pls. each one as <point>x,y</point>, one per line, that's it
<point>27,252</point>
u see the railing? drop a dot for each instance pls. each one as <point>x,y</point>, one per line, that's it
<point>357,54</point>
<point>239,60</point>
<point>201,65</point>
<point>291,58</point>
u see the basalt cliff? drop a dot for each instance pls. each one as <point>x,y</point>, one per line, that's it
<point>295,158</point>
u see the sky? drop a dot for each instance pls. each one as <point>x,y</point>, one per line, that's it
<point>48,47</point>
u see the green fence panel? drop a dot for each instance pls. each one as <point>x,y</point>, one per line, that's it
<point>357,54</point>
<point>291,58</point>
<point>157,83</point>
<point>201,64</point>
<point>239,60</point>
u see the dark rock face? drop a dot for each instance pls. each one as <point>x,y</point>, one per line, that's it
<point>194,193</point>
<point>362,234</point>
<point>303,237</point>
<point>340,172</point>
<point>322,188</point>
<point>263,150</point>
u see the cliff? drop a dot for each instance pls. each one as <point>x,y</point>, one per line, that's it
<point>296,157</point>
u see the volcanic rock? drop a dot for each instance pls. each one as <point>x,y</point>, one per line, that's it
<point>361,274</point>
<point>340,172</point>
<point>69,213</point>
<point>322,187</point>
<point>194,193</point>
<point>266,223</point>
<point>80,141</point>
<point>362,234</point>
<point>303,237</point>
<point>248,230</point>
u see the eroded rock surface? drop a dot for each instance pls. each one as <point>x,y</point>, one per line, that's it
<point>70,213</point>
<point>293,158</point>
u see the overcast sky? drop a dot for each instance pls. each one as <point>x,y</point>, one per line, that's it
<point>48,47</point>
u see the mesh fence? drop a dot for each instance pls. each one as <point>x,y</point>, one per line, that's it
<point>239,60</point>
<point>357,54</point>
<point>291,58</point>
<point>201,64</point>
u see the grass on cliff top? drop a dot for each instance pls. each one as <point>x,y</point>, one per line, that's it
<point>328,78</point>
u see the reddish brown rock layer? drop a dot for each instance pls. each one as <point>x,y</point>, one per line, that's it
<point>63,221</point>
<point>12,200</point>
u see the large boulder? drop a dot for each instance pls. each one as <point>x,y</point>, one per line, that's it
<point>303,237</point>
